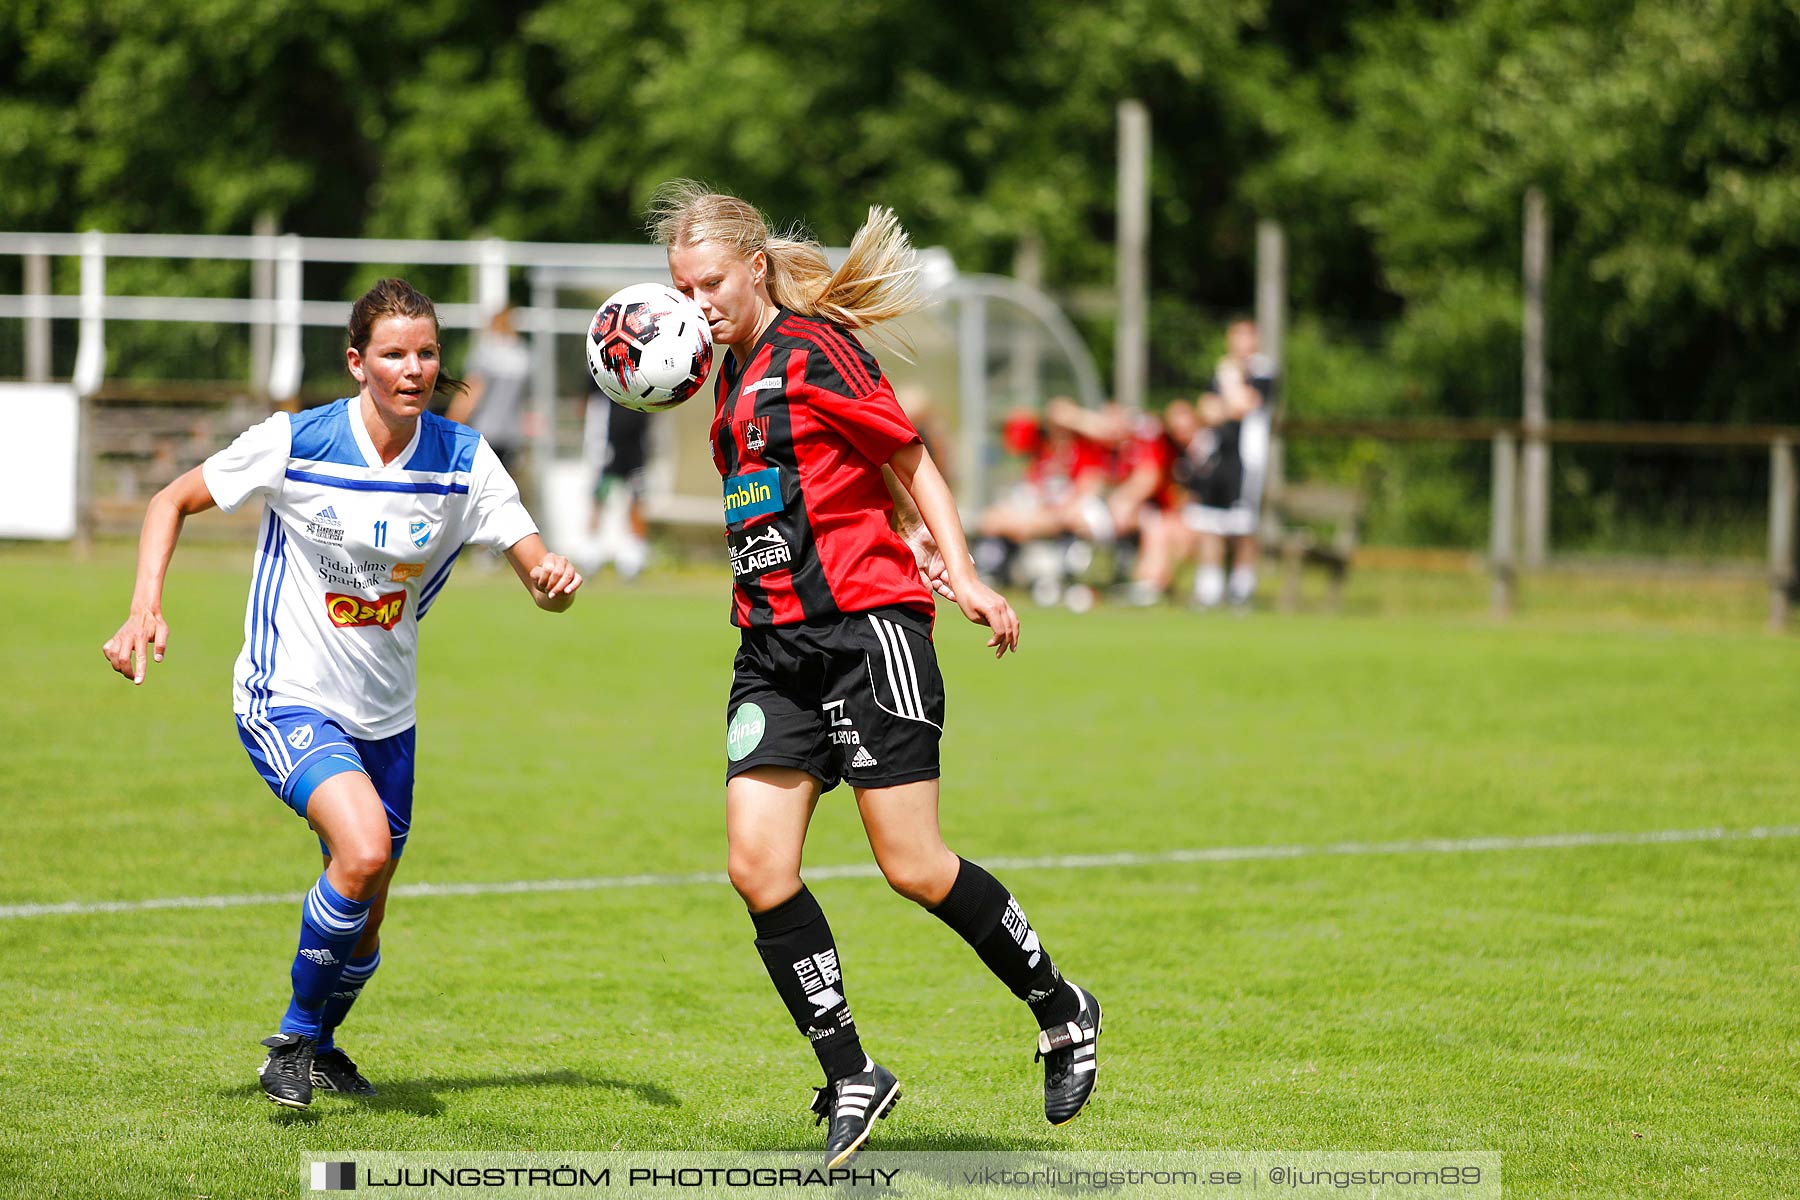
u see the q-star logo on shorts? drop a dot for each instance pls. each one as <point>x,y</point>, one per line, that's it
<point>348,612</point>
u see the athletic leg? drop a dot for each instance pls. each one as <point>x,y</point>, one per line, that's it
<point>902,825</point>
<point>767,810</point>
<point>348,816</point>
<point>389,763</point>
<point>1209,576</point>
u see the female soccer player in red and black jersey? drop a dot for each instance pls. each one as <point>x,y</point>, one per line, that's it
<point>836,678</point>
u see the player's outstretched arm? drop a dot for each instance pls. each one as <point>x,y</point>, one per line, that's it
<point>145,634</point>
<point>550,578</point>
<point>913,467</point>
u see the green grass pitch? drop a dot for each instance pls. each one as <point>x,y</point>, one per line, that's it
<point>1617,1020</point>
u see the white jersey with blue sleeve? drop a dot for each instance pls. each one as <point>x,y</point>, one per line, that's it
<point>350,555</point>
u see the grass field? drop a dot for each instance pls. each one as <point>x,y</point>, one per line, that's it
<point>1617,1020</point>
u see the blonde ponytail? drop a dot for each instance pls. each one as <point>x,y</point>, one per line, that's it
<point>877,282</point>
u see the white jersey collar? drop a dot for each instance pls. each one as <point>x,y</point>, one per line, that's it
<point>372,456</point>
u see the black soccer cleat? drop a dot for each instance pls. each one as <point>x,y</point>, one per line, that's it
<point>852,1104</point>
<point>287,1072</point>
<point>1070,1066</point>
<point>333,1071</point>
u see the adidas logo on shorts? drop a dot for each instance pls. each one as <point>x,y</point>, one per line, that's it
<point>863,758</point>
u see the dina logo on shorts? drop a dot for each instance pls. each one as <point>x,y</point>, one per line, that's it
<point>300,738</point>
<point>745,732</point>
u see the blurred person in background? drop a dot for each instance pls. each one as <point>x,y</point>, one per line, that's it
<point>1064,485</point>
<point>496,402</point>
<point>367,503</point>
<point>934,432</point>
<point>1148,500</point>
<point>615,445</point>
<point>1225,466</point>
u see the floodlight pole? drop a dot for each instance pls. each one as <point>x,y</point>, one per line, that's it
<point>1131,353</point>
<point>543,390</point>
<point>1271,329</point>
<point>37,321</point>
<point>1503,537</point>
<point>1781,532</point>
<point>262,292</point>
<point>1027,346</point>
<point>1535,492</point>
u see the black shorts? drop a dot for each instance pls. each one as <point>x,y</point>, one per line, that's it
<point>857,699</point>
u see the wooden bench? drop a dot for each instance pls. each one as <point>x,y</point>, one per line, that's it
<point>1316,524</point>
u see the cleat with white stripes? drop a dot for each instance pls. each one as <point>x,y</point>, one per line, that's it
<point>287,1073</point>
<point>852,1104</point>
<point>1070,1064</point>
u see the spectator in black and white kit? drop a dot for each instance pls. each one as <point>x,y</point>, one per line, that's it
<point>1225,466</point>
<point>615,448</point>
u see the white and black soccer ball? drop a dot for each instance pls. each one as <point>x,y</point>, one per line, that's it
<point>649,347</point>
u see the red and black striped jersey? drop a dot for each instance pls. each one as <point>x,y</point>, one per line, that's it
<point>799,435</point>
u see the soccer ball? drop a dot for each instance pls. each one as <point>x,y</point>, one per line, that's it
<point>649,347</point>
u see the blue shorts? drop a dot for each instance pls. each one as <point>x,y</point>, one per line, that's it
<point>296,749</point>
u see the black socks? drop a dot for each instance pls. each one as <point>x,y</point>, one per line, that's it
<point>991,921</point>
<point>796,946</point>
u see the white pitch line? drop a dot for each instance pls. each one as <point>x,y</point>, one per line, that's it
<point>1059,862</point>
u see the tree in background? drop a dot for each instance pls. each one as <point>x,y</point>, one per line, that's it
<point>1394,140</point>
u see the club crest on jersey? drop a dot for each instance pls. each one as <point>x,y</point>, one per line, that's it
<point>754,433</point>
<point>349,612</point>
<point>419,532</point>
<point>300,738</point>
<point>752,495</point>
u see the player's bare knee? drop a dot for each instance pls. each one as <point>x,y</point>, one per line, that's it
<point>363,867</point>
<point>761,882</point>
<point>923,881</point>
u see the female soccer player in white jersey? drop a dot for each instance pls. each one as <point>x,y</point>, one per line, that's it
<point>368,501</point>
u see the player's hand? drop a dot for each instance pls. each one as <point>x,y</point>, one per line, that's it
<point>143,635</point>
<point>984,606</point>
<point>555,576</point>
<point>934,572</point>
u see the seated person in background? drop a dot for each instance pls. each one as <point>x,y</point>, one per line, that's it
<point>1065,469</point>
<point>1148,500</point>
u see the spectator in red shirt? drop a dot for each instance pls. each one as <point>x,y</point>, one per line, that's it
<point>838,525</point>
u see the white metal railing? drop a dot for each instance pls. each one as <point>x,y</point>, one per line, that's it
<point>277,311</point>
<point>286,311</point>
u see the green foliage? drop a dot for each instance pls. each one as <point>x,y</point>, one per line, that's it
<point>1394,140</point>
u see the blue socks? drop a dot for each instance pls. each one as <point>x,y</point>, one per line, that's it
<point>350,986</point>
<point>330,927</point>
